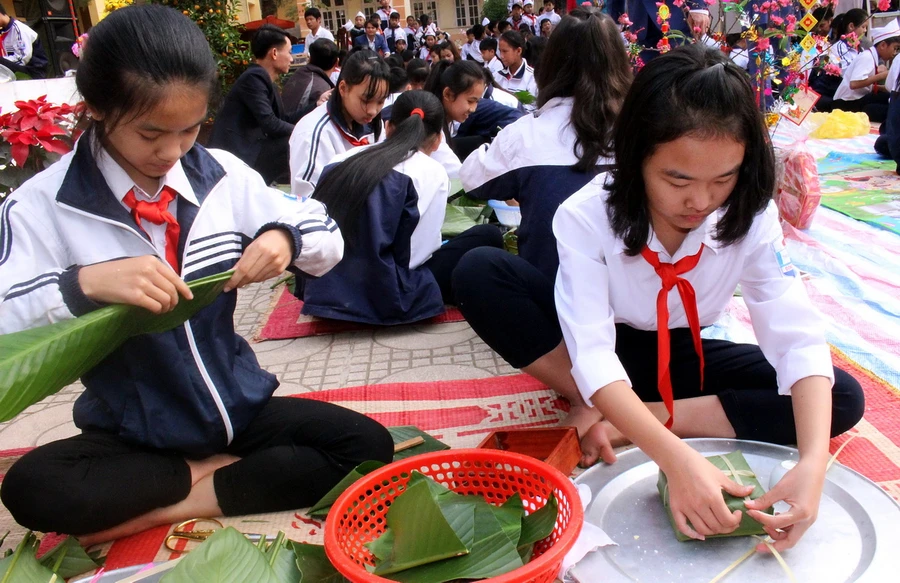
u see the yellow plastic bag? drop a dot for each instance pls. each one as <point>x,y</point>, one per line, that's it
<point>840,124</point>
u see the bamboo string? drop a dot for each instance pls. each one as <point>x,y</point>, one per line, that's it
<point>737,475</point>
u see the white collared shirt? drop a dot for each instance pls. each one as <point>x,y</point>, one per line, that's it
<point>495,65</point>
<point>521,79</point>
<point>321,33</point>
<point>598,286</point>
<point>120,184</point>
<point>863,66</point>
<point>891,83</point>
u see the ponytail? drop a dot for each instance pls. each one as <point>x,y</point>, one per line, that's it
<point>363,66</point>
<point>416,118</point>
<point>854,16</point>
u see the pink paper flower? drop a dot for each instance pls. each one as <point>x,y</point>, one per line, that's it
<point>762,44</point>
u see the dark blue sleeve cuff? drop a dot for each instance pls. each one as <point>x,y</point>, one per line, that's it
<point>294,232</point>
<point>78,303</point>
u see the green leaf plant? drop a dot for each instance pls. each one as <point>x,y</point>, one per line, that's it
<point>37,363</point>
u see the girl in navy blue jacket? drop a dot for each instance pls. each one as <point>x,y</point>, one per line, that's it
<point>389,200</point>
<point>470,120</point>
<point>179,424</point>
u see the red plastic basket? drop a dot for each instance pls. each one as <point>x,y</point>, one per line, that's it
<point>357,517</point>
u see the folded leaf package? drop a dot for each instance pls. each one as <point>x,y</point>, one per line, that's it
<point>735,466</point>
<point>37,363</point>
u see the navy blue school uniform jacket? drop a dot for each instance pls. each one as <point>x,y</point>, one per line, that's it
<point>531,161</point>
<point>489,118</point>
<point>382,279</point>
<point>195,387</point>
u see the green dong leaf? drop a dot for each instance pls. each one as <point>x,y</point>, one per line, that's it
<point>314,564</point>
<point>224,557</point>
<point>37,363</point>
<point>71,558</point>
<point>322,507</point>
<point>23,567</point>
<point>406,432</point>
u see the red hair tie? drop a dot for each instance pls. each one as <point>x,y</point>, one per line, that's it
<point>418,111</point>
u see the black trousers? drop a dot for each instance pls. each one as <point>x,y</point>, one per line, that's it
<point>443,261</point>
<point>292,454</point>
<point>510,304</point>
<point>273,162</point>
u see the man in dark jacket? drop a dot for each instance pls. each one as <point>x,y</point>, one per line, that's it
<point>304,87</point>
<point>253,123</point>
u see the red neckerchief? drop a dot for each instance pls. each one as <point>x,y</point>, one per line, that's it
<point>668,273</point>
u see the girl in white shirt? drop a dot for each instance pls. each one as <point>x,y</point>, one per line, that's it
<point>688,203</point>
<point>348,119</point>
<point>517,75</point>
<point>670,223</point>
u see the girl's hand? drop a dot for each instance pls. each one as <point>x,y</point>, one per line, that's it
<point>267,256</point>
<point>801,487</point>
<point>146,282</point>
<point>695,497</point>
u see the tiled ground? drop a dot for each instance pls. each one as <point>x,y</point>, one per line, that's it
<point>408,353</point>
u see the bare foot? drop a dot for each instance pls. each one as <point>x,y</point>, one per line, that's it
<point>599,442</point>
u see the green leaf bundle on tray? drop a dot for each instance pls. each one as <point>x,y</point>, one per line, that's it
<point>435,535</point>
<point>735,466</point>
<point>37,363</point>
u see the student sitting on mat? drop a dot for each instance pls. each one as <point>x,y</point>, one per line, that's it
<point>390,200</point>
<point>179,424</point>
<point>653,251</point>
<point>862,88</point>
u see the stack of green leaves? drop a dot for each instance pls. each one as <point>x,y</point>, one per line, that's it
<point>228,556</point>
<point>435,535</point>
<point>745,476</point>
<point>65,560</point>
<point>37,363</point>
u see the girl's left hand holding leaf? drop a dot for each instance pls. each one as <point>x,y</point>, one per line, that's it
<point>801,488</point>
<point>267,256</point>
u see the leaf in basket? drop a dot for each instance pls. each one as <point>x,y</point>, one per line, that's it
<point>539,524</point>
<point>280,556</point>
<point>382,546</point>
<point>72,559</point>
<point>314,564</point>
<point>422,533</point>
<point>224,557</point>
<point>406,432</point>
<point>322,507</point>
<point>37,363</point>
<point>22,566</point>
<point>492,554</point>
<point>457,220</point>
<point>510,515</point>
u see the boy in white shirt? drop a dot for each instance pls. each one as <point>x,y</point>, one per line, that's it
<point>489,54</point>
<point>859,90</point>
<point>313,17</point>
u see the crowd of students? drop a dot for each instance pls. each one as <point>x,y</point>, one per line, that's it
<point>621,204</point>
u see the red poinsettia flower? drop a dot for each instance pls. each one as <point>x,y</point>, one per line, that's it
<point>37,122</point>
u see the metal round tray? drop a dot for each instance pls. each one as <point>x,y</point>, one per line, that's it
<point>856,536</point>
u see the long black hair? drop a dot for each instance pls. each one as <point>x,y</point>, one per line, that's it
<point>458,77</point>
<point>363,66</point>
<point>345,188</point>
<point>854,16</point>
<point>585,60</point>
<point>690,91</point>
<point>128,67</point>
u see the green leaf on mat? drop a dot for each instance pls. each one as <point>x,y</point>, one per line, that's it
<point>225,556</point>
<point>464,200</point>
<point>322,507</point>
<point>422,534</point>
<point>457,220</point>
<point>37,363</point>
<point>72,559</point>
<point>280,557</point>
<point>314,564</point>
<point>539,524</point>
<point>405,432</point>
<point>22,566</point>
